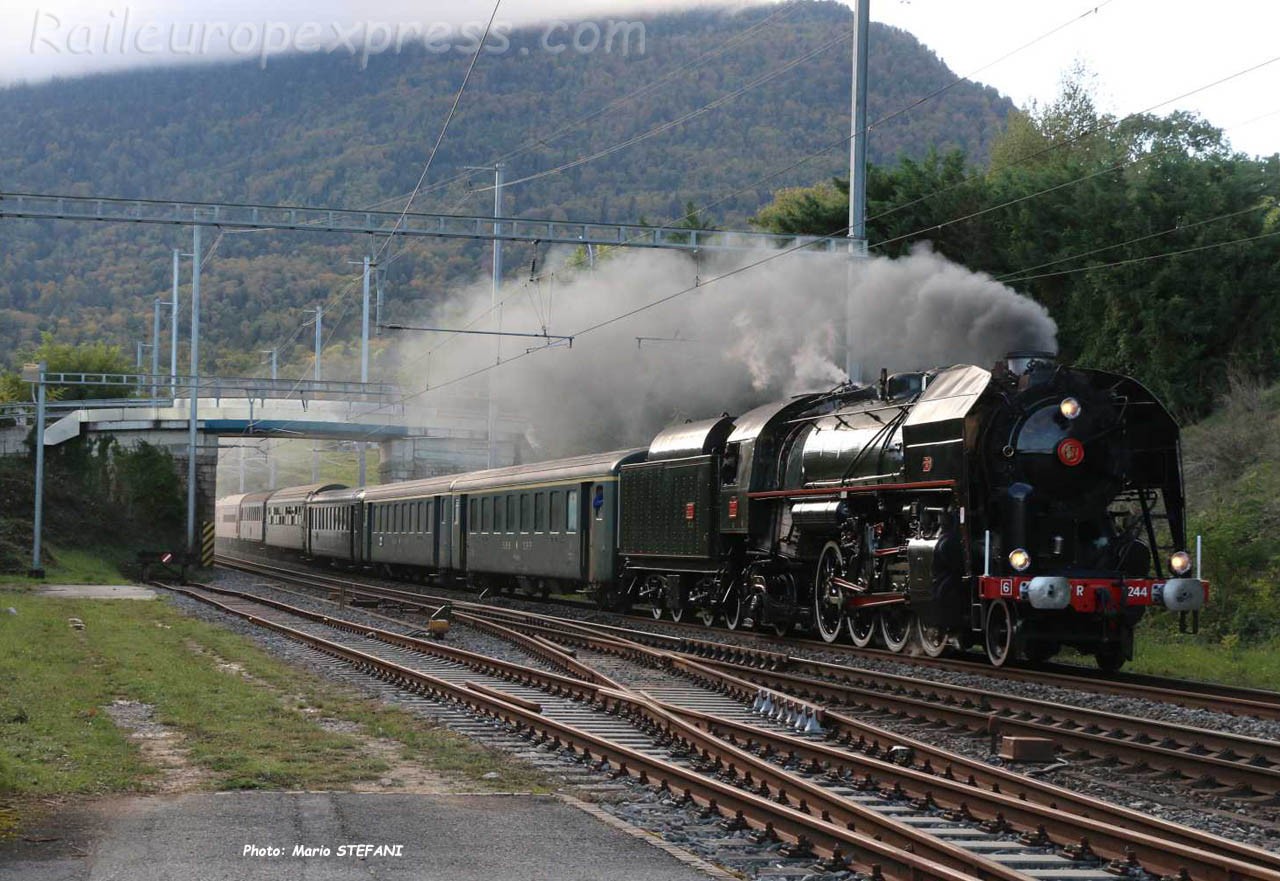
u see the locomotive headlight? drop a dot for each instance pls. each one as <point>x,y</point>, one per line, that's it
<point>1180,563</point>
<point>1070,408</point>
<point>1019,559</point>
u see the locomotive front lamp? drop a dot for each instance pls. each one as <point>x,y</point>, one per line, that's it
<point>1180,563</point>
<point>1069,408</point>
<point>1019,559</point>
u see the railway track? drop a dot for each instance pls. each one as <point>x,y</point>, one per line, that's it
<point>1216,697</point>
<point>1229,764</point>
<point>744,733</point>
<point>637,735</point>
<point>1218,762</point>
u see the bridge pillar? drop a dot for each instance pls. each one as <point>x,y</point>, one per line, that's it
<point>176,442</point>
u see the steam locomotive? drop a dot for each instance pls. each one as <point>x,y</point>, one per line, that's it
<point>1024,508</point>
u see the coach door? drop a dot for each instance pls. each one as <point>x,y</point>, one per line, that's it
<point>444,528</point>
<point>458,550</point>
<point>599,531</point>
<point>353,530</point>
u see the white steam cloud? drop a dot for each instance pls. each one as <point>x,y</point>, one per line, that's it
<point>764,333</point>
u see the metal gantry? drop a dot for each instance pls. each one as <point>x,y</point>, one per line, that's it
<point>41,206</point>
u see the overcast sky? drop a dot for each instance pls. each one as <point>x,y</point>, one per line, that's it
<point>1144,52</point>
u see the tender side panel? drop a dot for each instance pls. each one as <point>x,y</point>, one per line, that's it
<point>668,512</point>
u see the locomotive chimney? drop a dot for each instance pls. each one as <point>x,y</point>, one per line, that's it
<point>1022,363</point>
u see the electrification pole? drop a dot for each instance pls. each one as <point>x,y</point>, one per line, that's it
<point>857,176</point>
<point>37,524</point>
<point>173,324</point>
<point>364,356</point>
<point>499,175</point>
<point>315,451</point>
<point>195,392</point>
<point>137,365</point>
<point>319,322</point>
<point>155,347</point>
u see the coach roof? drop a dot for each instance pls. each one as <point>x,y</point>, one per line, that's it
<point>577,468</point>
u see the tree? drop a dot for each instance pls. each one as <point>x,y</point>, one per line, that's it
<point>95,357</point>
<point>1147,238</point>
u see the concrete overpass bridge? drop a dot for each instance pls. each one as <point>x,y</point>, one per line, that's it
<point>449,437</point>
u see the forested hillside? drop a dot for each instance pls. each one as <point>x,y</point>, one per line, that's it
<point>1154,246</point>
<point>318,130</point>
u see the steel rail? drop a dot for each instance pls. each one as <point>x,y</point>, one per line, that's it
<point>1218,697</point>
<point>1249,764</point>
<point>1113,831</point>
<point>796,824</point>
<point>1161,746</point>
<point>1221,860</point>
<point>1153,845</point>
<point>1152,744</point>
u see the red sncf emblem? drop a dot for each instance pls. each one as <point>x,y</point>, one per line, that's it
<point>688,510</point>
<point>926,464</point>
<point>733,508</point>
<point>1070,452</point>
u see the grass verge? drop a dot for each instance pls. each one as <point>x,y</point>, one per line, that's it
<point>75,566</point>
<point>248,731</point>
<point>1226,661</point>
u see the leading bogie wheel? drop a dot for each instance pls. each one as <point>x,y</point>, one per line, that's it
<point>828,599</point>
<point>999,633</point>
<point>1110,658</point>
<point>657,609</point>
<point>896,627</point>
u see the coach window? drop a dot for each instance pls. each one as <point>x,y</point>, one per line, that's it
<point>571,511</point>
<point>512,523</point>
<point>540,512</point>
<point>499,512</point>
<point>597,502</point>
<point>557,510</point>
<point>430,508</point>
<point>486,514</point>
<point>526,513</point>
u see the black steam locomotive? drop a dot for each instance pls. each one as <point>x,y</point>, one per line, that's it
<point>1021,508</point>
<point>1025,508</point>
